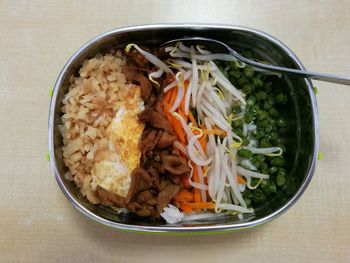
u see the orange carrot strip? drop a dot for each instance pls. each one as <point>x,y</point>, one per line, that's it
<point>185,208</point>
<point>182,105</point>
<point>215,132</point>
<point>184,196</point>
<point>203,139</point>
<point>174,123</point>
<point>178,130</point>
<point>241,180</point>
<point>173,96</point>
<point>167,97</point>
<point>203,142</point>
<point>204,205</point>
<point>182,115</point>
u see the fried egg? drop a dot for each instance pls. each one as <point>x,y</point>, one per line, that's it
<point>113,173</point>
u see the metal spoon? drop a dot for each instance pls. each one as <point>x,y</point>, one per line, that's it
<point>213,44</point>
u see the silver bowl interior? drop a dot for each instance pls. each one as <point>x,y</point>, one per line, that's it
<point>301,137</point>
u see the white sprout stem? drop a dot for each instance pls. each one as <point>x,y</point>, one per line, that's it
<point>218,118</point>
<point>202,51</point>
<point>232,178</point>
<point>193,152</point>
<point>269,151</point>
<point>209,93</point>
<point>235,200</point>
<point>225,83</point>
<point>184,48</point>
<point>217,170</point>
<point>244,172</point>
<point>194,184</point>
<point>182,148</point>
<point>221,185</point>
<point>155,74</point>
<point>194,76</point>
<point>201,181</point>
<point>249,183</point>
<point>180,94</point>
<point>179,54</point>
<point>190,135</point>
<point>198,101</point>
<point>211,137</point>
<point>237,208</point>
<point>184,64</point>
<point>228,195</point>
<point>173,84</point>
<point>248,164</point>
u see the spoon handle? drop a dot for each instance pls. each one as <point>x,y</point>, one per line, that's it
<point>301,73</point>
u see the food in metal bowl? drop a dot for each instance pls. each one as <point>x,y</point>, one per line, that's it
<point>181,138</point>
<point>174,133</point>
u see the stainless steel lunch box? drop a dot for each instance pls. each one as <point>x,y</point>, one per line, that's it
<point>301,138</point>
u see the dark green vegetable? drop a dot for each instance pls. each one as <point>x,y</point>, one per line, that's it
<point>273,112</point>
<point>247,89</point>
<point>280,179</point>
<point>264,108</point>
<point>278,161</point>
<point>270,188</point>
<point>261,95</point>
<point>236,109</point>
<point>259,196</point>
<point>242,81</point>
<point>254,110</point>
<point>257,82</point>
<point>264,143</point>
<point>249,71</point>
<point>248,118</point>
<point>245,153</point>
<point>251,100</point>
<point>272,169</point>
<point>235,74</point>
<point>237,123</point>
<point>281,122</point>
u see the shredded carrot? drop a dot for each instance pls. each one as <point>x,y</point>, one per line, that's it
<point>173,96</point>
<point>241,180</point>
<point>203,141</point>
<point>167,97</point>
<point>182,105</point>
<point>215,132</point>
<point>184,196</point>
<point>182,115</point>
<point>189,198</point>
<point>185,208</point>
<point>175,123</point>
<point>203,205</point>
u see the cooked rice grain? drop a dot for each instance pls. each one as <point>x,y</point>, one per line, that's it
<point>88,108</point>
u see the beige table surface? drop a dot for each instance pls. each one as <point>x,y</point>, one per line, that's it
<point>38,224</point>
